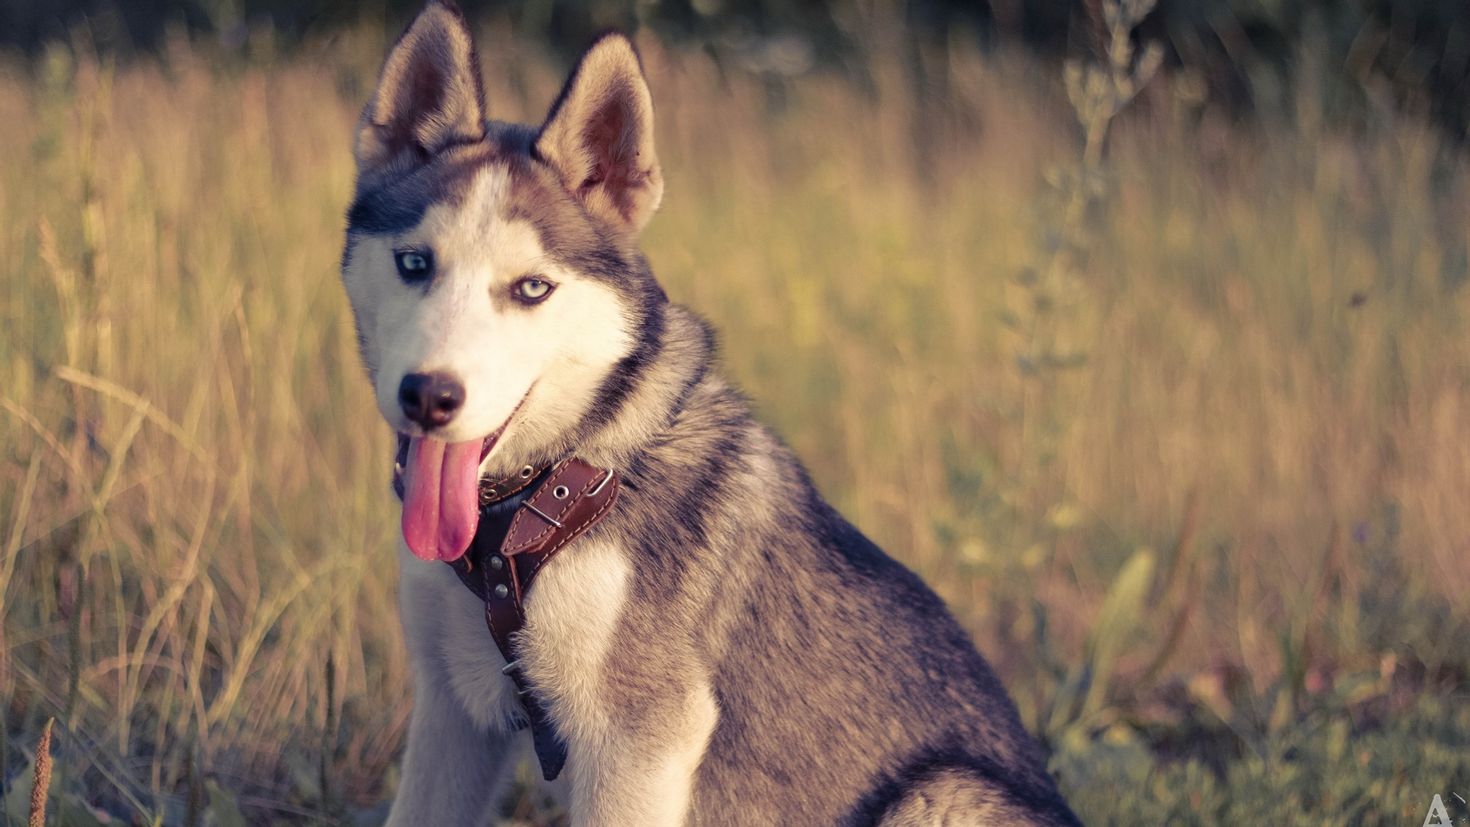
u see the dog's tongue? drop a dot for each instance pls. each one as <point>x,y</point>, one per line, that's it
<point>441,497</point>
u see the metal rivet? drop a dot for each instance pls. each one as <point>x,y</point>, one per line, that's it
<point>491,492</point>
<point>502,591</point>
<point>497,562</point>
<point>560,492</point>
<point>527,471</point>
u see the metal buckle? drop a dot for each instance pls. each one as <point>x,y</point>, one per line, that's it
<point>543,515</point>
<point>601,485</point>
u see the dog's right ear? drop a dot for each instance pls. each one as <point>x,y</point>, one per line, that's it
<point>429,95</point>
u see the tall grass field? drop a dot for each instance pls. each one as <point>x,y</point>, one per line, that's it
<point>1187,397</point>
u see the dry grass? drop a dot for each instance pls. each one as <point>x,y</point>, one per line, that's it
<point>197,575</point>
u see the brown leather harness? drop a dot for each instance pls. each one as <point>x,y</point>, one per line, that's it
<point>525,519</point>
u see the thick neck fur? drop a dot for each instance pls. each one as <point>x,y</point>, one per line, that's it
<point>658,394</point>
<point>660,377</point>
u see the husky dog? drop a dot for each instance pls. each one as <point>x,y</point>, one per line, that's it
<point>722,648</point>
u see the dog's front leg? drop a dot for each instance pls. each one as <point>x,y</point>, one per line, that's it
<point>636,712</point>
<point>458,743</point>
<point>452,768</point>
<point>642,774</point>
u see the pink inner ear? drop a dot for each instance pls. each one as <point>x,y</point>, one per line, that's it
<point>428,95</point>
<point>598,137</point>
<point>610,143</point>
<point>608,135</point>
<point>426,88</point>
<point>595,177</point>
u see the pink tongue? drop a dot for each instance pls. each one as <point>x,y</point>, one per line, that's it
<point>441,500</point>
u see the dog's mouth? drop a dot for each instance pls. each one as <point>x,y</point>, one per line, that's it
<point>440,486</point>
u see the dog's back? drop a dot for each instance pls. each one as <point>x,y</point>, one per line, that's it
<point>847,693</point>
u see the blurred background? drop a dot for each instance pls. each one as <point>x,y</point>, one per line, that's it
<point>1163,309</point>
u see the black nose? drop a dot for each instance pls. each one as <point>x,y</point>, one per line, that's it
<point>430,399</point>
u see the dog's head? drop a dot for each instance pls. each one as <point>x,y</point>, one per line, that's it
<point>493,269</point>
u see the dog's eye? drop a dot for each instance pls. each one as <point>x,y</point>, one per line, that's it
<point>532,290</point>
<point>413,265</point>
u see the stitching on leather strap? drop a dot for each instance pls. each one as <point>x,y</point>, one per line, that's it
<point>567,509</point>
<point>561,513</point>
<point>507,487</point>
<point>521,512</point>
<point>573,533</point>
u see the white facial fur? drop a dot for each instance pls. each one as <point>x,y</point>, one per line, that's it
<point>467,324</point>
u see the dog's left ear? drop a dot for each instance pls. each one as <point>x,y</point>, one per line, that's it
<point>599,136</point>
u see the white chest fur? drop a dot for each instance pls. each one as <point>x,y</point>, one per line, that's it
<point>570,618</point>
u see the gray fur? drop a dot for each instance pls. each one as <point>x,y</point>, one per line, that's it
<point>843,682</point>
<point>804,676</point>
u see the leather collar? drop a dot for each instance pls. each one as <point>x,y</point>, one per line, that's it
<point>491,491</point>
<point>525,519</point>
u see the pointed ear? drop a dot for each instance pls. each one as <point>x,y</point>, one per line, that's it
<point>428,97</point>
<point>599,136</point>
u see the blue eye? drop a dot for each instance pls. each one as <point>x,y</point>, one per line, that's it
<point>532,290</point>
<point>414,265</point>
